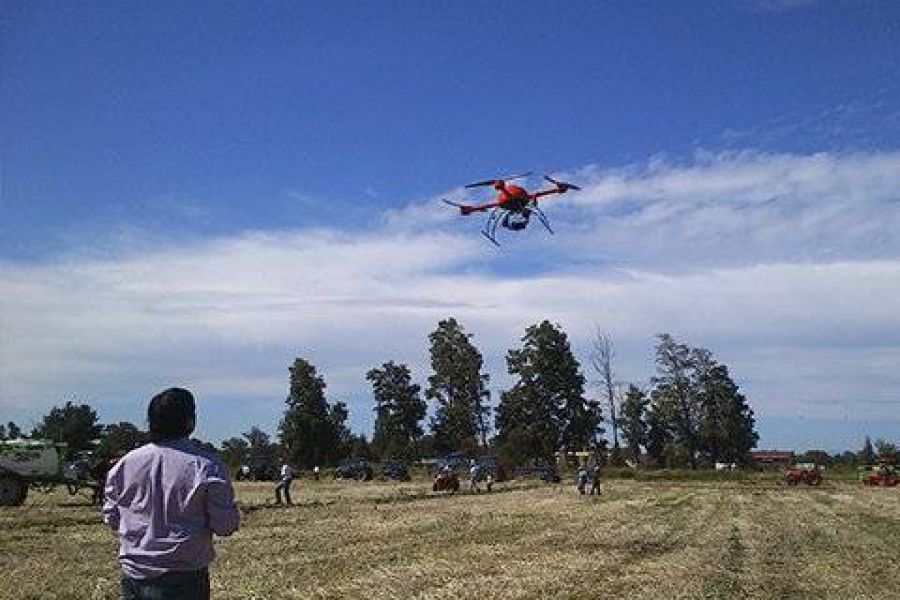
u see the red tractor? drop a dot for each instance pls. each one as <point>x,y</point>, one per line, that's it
<point>808,474</point>
<point>882,474</point>
<point>445,480</point>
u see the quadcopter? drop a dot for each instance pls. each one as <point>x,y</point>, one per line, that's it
<point>514,205</point>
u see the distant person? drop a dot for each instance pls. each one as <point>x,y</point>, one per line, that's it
<point>595,479</point>
<point>582,480</point>
<point>286,476</point>
<point>245,472</point>
<point>316,472</point>
<point>166,499</point>
<point>474,476</point>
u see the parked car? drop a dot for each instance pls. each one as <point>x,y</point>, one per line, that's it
<point>550,473</point>
<point>355,468</point>
<point>258,469</point>
<point>395,469</point>
<point>493,466</point>
<point>546,471</point>
<point>460,464</point>
<point>455,461</point>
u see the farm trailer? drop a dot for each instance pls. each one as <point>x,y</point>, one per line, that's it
<point>38,464</point>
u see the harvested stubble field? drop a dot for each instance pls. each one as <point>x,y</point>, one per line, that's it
<point>374,540</point>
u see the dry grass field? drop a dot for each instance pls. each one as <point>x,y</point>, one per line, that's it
<point>640,539</point>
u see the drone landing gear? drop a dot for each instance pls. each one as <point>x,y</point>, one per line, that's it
<point>543,218</point>
<point>490,239</point>
<point>490,227</point>
<point>503,217</point>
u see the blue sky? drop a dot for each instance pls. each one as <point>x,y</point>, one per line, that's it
<point>196,194</point>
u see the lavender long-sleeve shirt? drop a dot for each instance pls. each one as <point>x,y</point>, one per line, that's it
<point>165,501</point>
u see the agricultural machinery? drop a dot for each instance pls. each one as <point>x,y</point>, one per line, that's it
<point>804,473</point>
<point>882,474</point>
<point>445,480</point>
<point>38,464</point>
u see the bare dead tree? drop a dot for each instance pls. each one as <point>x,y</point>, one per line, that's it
<point>601,357</point>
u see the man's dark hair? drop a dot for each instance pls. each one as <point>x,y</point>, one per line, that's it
<point>171,415</point>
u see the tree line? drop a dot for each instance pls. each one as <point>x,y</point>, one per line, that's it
<point>692,414</point>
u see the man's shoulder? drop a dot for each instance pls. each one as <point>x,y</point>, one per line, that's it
<point>139,453</point>
<point>199,451</point>
<point>203,456</point>
<point>208,461</point>
<point>174,449</point>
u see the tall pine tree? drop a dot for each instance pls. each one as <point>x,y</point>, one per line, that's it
<point>546,409</point>
<point>459,388</point>
<point>727,431</point>
<point>399,410</point>
<point>697,413</point>
<point>13,431</point>
<point>633,422</point>
<point>659,434</point>
<point>310,430</point>
<point>674,397</point>
<point>867,454</point>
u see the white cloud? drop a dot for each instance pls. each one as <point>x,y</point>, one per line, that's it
<point>796,294</point>
<point>739,209</point>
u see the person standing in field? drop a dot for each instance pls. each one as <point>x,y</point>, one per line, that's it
<point>582,480</point>
<point>166,499</point>
<point>595,480</point>
<point>474,476</point>
<point>286,475</point>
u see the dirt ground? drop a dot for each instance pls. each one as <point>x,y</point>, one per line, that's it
<point>524,540</point>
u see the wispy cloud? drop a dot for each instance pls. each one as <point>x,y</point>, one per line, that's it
<point>781,5</point>
<point>842,123</point>
<point>787,266</point>
<point>741,209</point>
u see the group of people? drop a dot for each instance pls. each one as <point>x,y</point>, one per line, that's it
<point>476,475</point>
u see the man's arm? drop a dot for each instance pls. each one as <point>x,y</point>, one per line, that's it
<point>223,514</point>
<point>112,488</point>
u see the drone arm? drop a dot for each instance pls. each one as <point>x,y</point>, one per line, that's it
<point>469,209</point>
<point>542,193</point>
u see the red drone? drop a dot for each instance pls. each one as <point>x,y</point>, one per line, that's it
<point>513,206</point>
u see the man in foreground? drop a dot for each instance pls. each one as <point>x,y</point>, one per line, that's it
<point>165,500</point>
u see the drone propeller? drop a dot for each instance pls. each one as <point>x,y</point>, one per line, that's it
<point>493,181</point>
<point>562,184</point>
